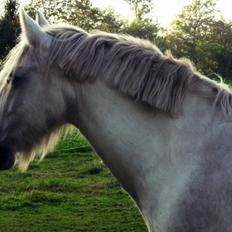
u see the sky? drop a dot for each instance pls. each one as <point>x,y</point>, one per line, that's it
<point>165,10</point>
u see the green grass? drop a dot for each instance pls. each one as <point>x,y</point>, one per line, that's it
<point>228,81</point>
<point>71,190</point>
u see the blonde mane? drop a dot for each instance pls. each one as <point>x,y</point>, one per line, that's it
<point>135,67</point>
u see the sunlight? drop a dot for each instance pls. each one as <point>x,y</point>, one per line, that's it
<point>120,6</point>
<point>162,13</point>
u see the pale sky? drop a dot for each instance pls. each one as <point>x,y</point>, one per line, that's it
<point>165,10</point>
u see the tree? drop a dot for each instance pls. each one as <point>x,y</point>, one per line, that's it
<point>83,14</point>
<point>142,29</point>
<point>142,26</point>
<point>9,27</point>
<point>191,32</point>
<point>80,13</point>
<point>140,8</point>
<point>221,47</point>
<point>110,22</point>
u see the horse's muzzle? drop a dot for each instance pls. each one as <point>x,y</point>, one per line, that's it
<point>7,157</point>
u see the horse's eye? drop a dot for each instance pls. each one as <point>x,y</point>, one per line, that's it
<point>8,80</point>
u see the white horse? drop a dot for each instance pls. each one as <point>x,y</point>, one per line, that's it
<point>163,129</point>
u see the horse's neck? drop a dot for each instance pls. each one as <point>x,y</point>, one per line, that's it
<point>151,154</point>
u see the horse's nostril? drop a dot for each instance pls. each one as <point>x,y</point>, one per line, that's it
<point>7,158</point>
<point>7,164</point>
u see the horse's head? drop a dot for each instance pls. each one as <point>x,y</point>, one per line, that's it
<point>33,104</point>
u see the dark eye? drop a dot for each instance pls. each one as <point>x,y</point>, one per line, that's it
<point>9,79</point>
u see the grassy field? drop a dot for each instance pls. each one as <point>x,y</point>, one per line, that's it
<point>71,190</point>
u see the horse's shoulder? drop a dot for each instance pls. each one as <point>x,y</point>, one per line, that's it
<point>218,138</point>
<point>205,205</point>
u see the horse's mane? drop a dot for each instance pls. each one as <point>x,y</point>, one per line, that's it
<point>135,67</point>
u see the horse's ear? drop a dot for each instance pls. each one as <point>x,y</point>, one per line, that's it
<point>33,33</point>
<point>41,20</point>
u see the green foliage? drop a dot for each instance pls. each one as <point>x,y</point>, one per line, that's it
<point>191,28</point>
<point>142,26</point>
<point>200,34</point>
<point>80,13</point>
<point>221,47</point>
<point>140,8</point>
<point>145,29</point>
<point>110,22</point>
<point>9,28</point>
<point>66,192</point>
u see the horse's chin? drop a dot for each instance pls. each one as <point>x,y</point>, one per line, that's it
<point>7,157</point>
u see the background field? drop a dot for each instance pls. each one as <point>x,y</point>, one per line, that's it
<point>71,190</point>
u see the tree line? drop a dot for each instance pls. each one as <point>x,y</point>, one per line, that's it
<point>199,32</point>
